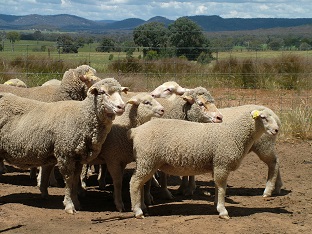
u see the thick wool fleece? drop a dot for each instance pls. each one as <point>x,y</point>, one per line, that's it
<point>74,86</point>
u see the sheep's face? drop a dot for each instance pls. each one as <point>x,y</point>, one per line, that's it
<point>202,107</point>
<point>267,120</point>
<point>107,94</point>
<point>147,106</point>
<point>88,77</point>
<point>167,89</point>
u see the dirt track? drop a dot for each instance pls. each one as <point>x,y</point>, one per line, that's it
<point>23,211</point>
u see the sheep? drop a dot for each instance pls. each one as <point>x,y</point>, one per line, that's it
<point>116,151</point>
<point>16,83</point>
<point>196,105</point>
<point>186,148</point>
<point>74,86</point>
<point>264,148</point>
<point>68,133</point>
<point>52,82</point>
<point>170,90</point>
<point>167,89</point>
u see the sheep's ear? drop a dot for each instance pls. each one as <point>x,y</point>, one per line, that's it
<point>181,90</point>
<point>134,101</point>
<point>94,90</point>
<point>189,99</point>
<point>255,114</point>
<point>124,89</point>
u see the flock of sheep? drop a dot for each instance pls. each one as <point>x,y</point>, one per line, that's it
<point>84,120</point>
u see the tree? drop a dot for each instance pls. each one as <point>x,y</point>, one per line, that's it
<point>152,36</point>
<point>13,37</point>
<point>106,45</point>
<point>188,39</point>
<point>38,36</point>
<point>65,44</point>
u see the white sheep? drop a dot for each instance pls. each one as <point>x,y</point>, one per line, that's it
<point>52,82</point>
<point>186,148</point>
<point>116,151</point>
<point>196,105</point>
<point>74,86</point>
<point>263,147</point>
<point>167,89</point>
<point>170,91</point>
<point>16,82</point>
<point>68,133</point>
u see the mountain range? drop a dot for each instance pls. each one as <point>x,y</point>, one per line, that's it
<point>72,23</point>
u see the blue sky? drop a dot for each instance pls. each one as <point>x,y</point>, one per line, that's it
<point>123,9</point>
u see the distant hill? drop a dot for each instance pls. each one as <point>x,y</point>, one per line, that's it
<point>65,22</point>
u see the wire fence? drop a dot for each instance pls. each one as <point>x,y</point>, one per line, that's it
<point>278,79</point>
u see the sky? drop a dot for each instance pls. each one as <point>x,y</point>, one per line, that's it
<point>144,9</point>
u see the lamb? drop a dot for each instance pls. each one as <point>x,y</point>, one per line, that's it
<point>68,133</point>
<point>16,83</point>
<point>218,148</point>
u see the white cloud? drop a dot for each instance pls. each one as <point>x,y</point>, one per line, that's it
<point>122,9</point>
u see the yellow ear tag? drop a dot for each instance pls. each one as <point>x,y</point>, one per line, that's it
<point>255,114</point>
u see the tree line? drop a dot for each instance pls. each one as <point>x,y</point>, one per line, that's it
<point>182,38</point>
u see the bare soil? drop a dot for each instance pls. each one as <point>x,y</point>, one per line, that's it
<point>22,210</point>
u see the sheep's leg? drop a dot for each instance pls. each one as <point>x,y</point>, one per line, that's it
<point>102,176</point>
<point>76,185</point>
<point>138,179</point>
<point>3,169</point>
<point>191,186</point>
<point>220,182</point>
<point>116,172</point>
<point>148,198</point>
<point>165,193</point>
<point>265,149</point>
<point>71,176</point>
<point>84,176</point>
<point>33,173</point>
<point>184,185</point>
<point>187,186</point>
<point>43,179</point>
<point>52,179</point>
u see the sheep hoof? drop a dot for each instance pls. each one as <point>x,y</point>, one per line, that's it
<point>139,216</point>
<point>70,211</point>
<point>226,217</point>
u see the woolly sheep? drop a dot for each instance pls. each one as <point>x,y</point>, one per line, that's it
<point>167,89</point>
<point>187,148</point>
<point>196,105</point>
<point>116,151</point>
<point>68,133</point>
<point>16,83</point>
<point>52,82</point>
<point>264,148</point>
<point>170,90</point>
<point>74,86</point>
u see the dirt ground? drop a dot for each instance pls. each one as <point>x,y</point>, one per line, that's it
<point>22,210</point>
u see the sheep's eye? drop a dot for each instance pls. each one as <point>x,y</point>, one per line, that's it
<point>200,103</point>
<point>147,103</point>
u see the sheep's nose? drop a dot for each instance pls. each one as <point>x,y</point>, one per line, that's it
<point>121,108</point>
<point>219,118</point>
